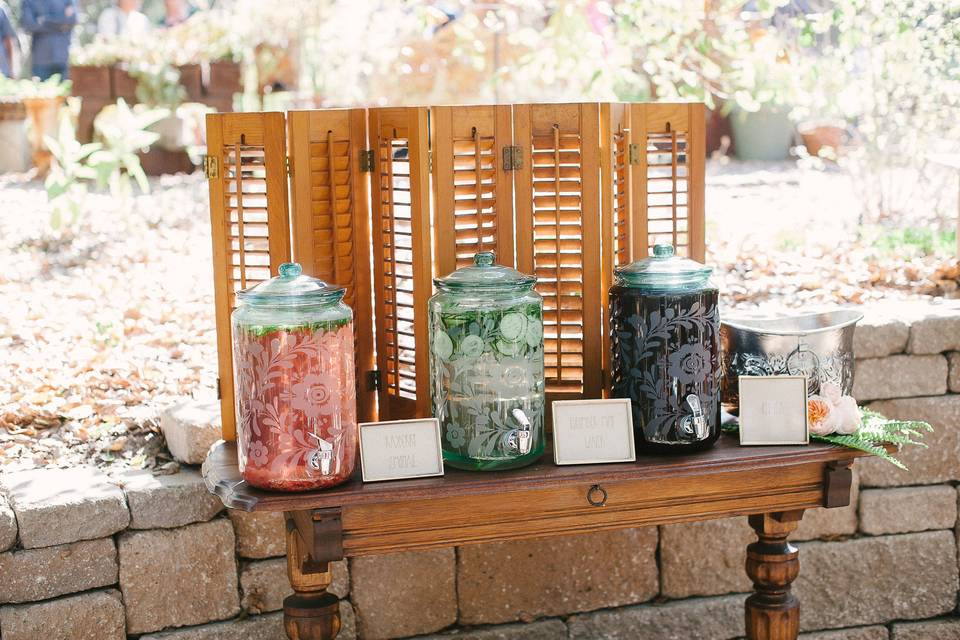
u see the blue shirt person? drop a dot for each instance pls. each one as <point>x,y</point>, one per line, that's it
<point>7,39</point>
<point>50,23</point>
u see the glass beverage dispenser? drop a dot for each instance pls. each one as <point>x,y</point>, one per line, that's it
<point>664,328</point>
<point>486,366</point>
<point>295,391</point>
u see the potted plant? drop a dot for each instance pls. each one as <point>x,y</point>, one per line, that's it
<point>764,95</point>
<point>42,100</point>
<point>90,69</point>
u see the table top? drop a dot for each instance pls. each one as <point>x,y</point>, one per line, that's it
<point>222,476</point>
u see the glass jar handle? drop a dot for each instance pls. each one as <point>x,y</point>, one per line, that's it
<point>290,270</point>
<point>484,259</point>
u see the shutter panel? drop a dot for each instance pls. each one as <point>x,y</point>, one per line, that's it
<point>616,221</point>
<point>558,237</point>
<point>669,180</point>
<point>249,219</point>
<point>473,193</point>
<point>401,244</point>
<point>331,220</point>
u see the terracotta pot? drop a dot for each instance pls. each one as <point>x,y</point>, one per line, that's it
<point>42,115</point>
<point>817,134</point>
<point>90,82</point>
<point>124,85</point>
<point>191,78</point>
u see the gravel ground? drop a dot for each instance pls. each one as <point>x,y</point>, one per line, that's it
<point>102,327</point>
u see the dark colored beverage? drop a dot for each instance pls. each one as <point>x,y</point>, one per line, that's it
<point>666,360</point>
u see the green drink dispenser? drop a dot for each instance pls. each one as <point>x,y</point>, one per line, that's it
<point>486,366</point>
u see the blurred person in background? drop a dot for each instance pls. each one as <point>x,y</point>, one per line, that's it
<point>176,12</point>
<point>50,23</point>
<point>8,38</point>
<point>123,20</point>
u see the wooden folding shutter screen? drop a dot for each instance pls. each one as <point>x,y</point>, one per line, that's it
<point>249,221</point>
<point>558,237</point>
<point>668,179</point>
<point>473,191</point>
<point>331,220</point>
<point>402,258</point>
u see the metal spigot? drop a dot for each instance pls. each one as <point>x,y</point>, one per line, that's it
<point>322,457</point>
<point>522,438</point>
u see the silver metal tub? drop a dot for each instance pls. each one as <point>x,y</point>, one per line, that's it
<point>818,346</point>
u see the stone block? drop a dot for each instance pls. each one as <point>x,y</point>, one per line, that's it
<point>875,580</point>
<point>178,577</point>
<point>38,574</point>
<point>404,594</point>
<point>348,622</point>
<point>95,615</point>
<point>8,525</point>
<point>259,534</point>
<point>190,429</point>
<point>900,376</point>
<point>830,523</point>
<point>936,333</point>
<point>541,630</point>
<point>266,627</point>
<point>529,579</point>
<point>938,462</point>
<point>953,378</point>
<point>264,584</point>
<point>57,506</point>
<point>166,501</point>
<point>703,618</point>
<point>907,509</point>
<point>927,630</point>
<point>860,633</point>
<point>880,335</point>
<point>705,558</point>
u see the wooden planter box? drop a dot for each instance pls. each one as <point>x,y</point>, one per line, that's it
<point>123,84</point>
<point>12,111</point>
<point>224,78</point>
<point>158,162</point>
<point>564,191</point>
<point>89,81</point>
<point>191,78</point>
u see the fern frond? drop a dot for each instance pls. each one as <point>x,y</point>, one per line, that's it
<point>855,442</point>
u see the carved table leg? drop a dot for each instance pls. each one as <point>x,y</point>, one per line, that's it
<point>772,612</point>
<point>311,613</point>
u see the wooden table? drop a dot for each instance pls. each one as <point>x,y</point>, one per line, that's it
<point>772,485</point>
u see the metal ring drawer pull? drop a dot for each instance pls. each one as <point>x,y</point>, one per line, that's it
<point>597,496</point>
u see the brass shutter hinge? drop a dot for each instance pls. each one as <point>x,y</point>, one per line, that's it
<point>288,165</point>
<point>211,168</point>
<point>366,160</point>
<point>512,158</point>
<point>633,153</point>
<point>219,395</point>
<point>373,380</point>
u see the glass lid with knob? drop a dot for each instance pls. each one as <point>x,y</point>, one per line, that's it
<point>485,276</point>
<point>291,289</point>
<point>664,271</point>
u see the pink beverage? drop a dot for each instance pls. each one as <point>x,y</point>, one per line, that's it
<point>295,386</point>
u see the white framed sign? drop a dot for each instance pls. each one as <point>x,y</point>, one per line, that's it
<point>593,431</point>
<point>400,449</point>
<point>773,410</point>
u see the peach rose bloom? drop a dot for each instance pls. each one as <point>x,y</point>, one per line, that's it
<point>831,392</point>
<point>820,416</point>
<point>847,415</point>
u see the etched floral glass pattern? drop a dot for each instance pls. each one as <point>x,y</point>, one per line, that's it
<point>296,404</point>
<point>666,361</point>
<point>486,361</point>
